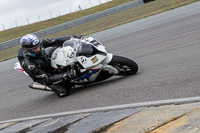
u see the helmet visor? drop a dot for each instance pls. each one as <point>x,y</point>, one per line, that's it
<point>34,50</point>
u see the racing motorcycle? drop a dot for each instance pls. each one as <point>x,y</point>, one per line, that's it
<point>90,58</point>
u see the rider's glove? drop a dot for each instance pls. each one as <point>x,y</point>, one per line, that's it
<point>79,36</point>
<point>74,71</point>
<point>65,76</point>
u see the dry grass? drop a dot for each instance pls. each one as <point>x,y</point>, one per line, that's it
<point>129,15</point>
<point>142,11</point>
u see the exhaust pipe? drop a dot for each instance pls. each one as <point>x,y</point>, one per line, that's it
<point>37,86</point>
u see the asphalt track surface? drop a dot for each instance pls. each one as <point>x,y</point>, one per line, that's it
<point>167,53</point>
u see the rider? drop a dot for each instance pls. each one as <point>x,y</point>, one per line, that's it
<point>35,62</point>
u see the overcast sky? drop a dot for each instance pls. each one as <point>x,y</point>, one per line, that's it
<point>21,12</point>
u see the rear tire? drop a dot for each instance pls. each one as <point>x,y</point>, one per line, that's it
<point>124,65</point>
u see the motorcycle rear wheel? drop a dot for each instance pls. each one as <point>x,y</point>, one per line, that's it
<point>124,65</point>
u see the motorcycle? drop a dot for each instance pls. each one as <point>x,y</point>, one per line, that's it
<point>90,58</point>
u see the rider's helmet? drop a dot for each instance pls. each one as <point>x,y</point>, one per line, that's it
<point>32,45</point>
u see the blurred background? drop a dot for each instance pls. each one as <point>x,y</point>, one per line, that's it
<point>15,13</point>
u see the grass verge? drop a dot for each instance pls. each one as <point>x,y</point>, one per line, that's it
<point>126,16</point>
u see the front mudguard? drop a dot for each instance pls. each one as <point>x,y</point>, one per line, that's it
<point>108,58</point>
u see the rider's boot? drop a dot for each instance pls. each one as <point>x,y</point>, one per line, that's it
<point>60,90</point>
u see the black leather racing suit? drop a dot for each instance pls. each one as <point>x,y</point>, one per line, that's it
<point>38,68</point>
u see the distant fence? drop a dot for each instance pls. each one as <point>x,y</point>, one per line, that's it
<point>76,22</point>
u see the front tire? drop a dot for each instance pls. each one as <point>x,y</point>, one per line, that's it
<point>124,65</point>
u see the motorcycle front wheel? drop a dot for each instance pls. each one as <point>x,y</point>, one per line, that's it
<point>124,65</point>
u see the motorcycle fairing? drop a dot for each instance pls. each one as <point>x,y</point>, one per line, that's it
<point>18,67</point>
<point>89,76</point>
<point>61,57</point>
<point>91,61</point>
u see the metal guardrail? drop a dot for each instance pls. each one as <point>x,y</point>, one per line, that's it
<point>74,23</point>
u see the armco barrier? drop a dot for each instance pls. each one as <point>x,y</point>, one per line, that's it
<point>76,22</point>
